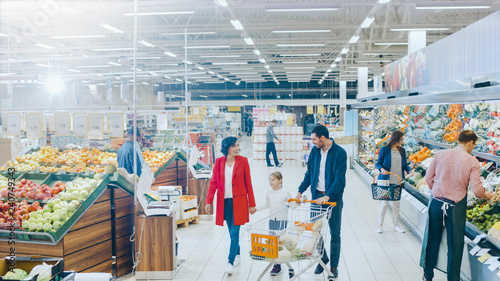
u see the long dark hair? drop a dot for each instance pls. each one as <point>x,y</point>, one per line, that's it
<point>395,138</point>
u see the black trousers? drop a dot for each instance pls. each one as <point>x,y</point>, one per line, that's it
<point>271,148</point>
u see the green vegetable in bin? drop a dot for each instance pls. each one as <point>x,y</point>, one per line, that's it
<point>17,274</point>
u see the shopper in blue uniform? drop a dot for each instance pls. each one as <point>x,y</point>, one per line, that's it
<point>126,154</point>
<point>325,175</point>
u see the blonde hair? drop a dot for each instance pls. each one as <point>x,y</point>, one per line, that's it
<point>277,175</point>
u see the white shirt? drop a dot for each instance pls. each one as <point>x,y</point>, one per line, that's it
<point>322,164</point>
<point>276,203</point>
<point>228,182</point>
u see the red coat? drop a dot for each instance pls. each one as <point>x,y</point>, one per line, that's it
<point>242,190</point>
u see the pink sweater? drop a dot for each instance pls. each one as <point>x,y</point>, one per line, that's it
<point>450,173</point>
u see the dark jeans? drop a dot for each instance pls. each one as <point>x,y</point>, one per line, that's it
<point>249,132</point>
<point>334,224</point>
<point>234,230</point>
<point>271,148</point>
<point>434,239</point>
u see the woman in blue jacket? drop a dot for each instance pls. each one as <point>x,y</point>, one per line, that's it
<point>392,158</point>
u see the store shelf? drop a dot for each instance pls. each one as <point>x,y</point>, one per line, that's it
<point>367,129</point>
<point>434,143</point>
<point>369,152</point>
<point>366,117</point>
<point>367,140</point>
<point>486,156</point>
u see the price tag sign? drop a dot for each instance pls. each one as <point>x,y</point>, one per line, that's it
<point>272,110</point>
<point>321,110</point>
<point>62,124</point>
<point>484,257</point>
<point>482,252</point>
<point>115,125</point>
<point>310,109</point>
<point>289,120</point>
<point>95,126</point>
<point>80,124</point>
<point>215,110</point>
<point>474,250</point>
<point>34,126</point>
<point>162,122</point>
<point>196,110</point>
<point>13,124</point>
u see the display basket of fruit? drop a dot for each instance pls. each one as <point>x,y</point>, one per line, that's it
<point>166,164</point>
<point>382,190</point>
<point>46,222</point>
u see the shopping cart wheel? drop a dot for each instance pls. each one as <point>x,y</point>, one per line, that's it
<point>291,273</point>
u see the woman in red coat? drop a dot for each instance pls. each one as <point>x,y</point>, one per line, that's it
<point>235,200</point>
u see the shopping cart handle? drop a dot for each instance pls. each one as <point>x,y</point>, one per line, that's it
<point>333,204</point>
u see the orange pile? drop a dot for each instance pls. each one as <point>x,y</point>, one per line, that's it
<point>454,125</point>
<point>454,110</point>
<point>451,136</point>
<point>384,139</point>
<point>156,158</point>
<point>420,156</point>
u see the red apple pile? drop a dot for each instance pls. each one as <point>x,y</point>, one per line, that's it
<point>20,213</point>
<point>28,189</point>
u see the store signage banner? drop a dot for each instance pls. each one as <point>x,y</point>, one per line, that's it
<point>34,126</point>
<point>62,124</point>
<point>80,125</point>
<point>162,122</point>
<point>13,124</point>
<point>115,123</point>
<point>215,110</point>
<point>407,73</point>
<point>310,109</point>
<point>96,126</point>
<point>289,120</point>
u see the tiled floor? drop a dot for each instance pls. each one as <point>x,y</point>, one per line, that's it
<point>366,255</point>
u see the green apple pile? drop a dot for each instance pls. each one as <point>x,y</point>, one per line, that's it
<point>79,188</point>
<point>53,215</point>
<point>479,218</point>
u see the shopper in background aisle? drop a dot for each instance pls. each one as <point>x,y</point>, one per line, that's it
<point>448,177</point>
<point>392,158</point>
<point>325,174</point>
<point>276,202</point>
<point>125,155</point>
<point>270,147</point>
<point>231,180</point>
<point>249,126</point>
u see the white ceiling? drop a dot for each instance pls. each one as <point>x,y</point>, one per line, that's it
<point>35,38</point>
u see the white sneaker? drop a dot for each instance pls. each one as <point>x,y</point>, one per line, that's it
<point>379,229</point>
<point>237,261</point>
<point>398,229</point>
<point>229,269</point>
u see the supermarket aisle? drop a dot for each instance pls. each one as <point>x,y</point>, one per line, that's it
<point>366,255</point>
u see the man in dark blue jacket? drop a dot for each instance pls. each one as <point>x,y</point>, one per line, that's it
<point>325,174</point>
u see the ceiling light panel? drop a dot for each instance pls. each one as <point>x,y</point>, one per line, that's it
<point>300,55</point>
<point>161,13</point>
<point>367,22</point>
<point>329,9</point>
<point>303,31</point>
<point>237,24</point>
<point>209,47</point>
<point>110,28</point>
<point>300,45</point>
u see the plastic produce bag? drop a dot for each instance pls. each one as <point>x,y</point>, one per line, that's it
<point>44,272</point>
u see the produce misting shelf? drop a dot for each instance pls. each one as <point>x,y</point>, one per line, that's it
<point>367,140</point>
<point>366,117</point>
<point>367,129</point>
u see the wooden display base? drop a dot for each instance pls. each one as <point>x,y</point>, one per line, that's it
<point>185,223</point>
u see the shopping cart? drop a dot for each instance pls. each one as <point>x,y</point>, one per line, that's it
<point>298,238</point>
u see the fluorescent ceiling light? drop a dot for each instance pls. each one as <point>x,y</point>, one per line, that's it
<point>354,39</point>
<point>300,55</point>
<point>209,47</point>
<point>262,60</point>
<point>248,40</point>
<point>43,65</point>
<point>7,74</point>
<point>240,68</point>
<point>160,13</point>
<point>78,36</point>
<point>333,65</point>
<point>315,61</point>
<point>111,28</point>
<point>145,43</point>
<point>3,35</point>
<point>145,83</point>
<point>156,85</point>
<point>237,24</point>
<point>222,3</point>
<point>237,83</point>
<point>256,52</point>
<point>11,59</point>
<point>384,1</point>
<point>344,51</point>
<point>243,73</point>
<point>214,82</point>
<point>419,28</point>
<point>211,72</point>
<point>188,62</point>
<point>266,66</point>
<point>337,59</point>
<point>73,70</point>
<point>113,49</point>
<point>153,73</point>
<point>329,70</point>
<point>303,72</point>
<point>244,96</point>
<point>324,94</point>
<point>168,77</point>
<point>146,58</point>
<point>227,79</point>
<point>451,7</point>
<point>374,60</point>
<point>302,67</point>
<point>367,22</point>
<point>300,45</point>
<point>94,66</point>
<point>228,63</point>
<point>269,71</point>
<point>203,96</point>
<point>45,46</point>
<point>114,63</point>
<point>302,31</point>
<point>170,54</point>
<point>218,75</point>
<point>303,10</point>
<point>225,56</point>
<point>390,43</point>
<point>189,33</point>
<point>201,68</point>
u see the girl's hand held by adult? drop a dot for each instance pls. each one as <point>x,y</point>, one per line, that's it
<point>208,207</point>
